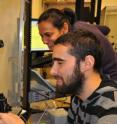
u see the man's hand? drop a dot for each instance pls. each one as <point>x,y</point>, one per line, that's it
<point>9,118</point>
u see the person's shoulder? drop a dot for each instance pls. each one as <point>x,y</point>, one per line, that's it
<point>92,27</point>
<point>107,98</point>
<point>108,119</point>
<point>86,26</point>
<point>105,108</point>
<point>107,93</point>
<point>80,23</point>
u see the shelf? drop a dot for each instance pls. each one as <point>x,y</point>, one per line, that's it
<point>62,4</point>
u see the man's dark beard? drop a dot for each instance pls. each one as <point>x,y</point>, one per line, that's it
<point>75,82</point>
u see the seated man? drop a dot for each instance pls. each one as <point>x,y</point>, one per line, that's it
<point>77,70</point>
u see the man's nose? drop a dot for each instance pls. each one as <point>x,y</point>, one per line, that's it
<point>53,70</point>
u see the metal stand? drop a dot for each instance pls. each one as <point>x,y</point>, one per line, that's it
<point>27,55</point>
<point>82,12</point>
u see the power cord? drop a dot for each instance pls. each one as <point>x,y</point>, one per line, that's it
<point>42,116</point>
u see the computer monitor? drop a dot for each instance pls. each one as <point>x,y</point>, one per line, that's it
<point>36,41</point>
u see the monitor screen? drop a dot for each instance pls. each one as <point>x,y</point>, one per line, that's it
<point>36,41</point>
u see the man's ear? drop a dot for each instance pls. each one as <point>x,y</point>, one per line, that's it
<point>87,64</point>
<point>65,28</point>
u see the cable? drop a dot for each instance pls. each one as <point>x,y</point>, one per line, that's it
<point>23,118</point>
<point>19,112</point>
<point>42,116</point>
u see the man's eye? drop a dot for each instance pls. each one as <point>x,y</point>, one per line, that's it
<point>60,63</point>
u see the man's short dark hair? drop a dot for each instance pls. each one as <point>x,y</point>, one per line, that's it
<point>83,43</point>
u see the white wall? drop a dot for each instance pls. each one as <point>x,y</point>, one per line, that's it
<point>109,3</point>
<point>9,12</point>
<point>37,8</point>
<point>109,18</point>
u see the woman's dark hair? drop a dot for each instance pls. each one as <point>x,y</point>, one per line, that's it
<point>57,17</point>
<point>70,15</point>
<point>83,43</point>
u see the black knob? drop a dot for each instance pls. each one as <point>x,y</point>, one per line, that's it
<point>1,43</point>
<point>4,106</point>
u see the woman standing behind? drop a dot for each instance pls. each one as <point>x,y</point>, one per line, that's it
<point>53,23</point>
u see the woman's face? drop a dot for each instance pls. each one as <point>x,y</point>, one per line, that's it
<point>49,33</point>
